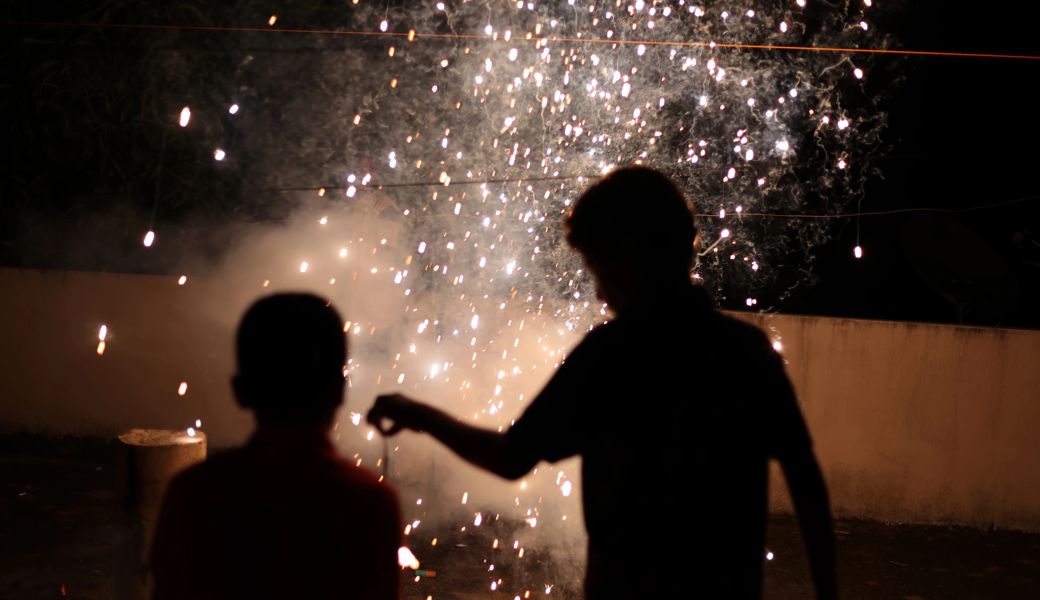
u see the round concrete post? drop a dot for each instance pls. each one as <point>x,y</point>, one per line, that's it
<point>148,460</point>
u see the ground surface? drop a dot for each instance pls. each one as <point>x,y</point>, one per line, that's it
<point>57,510</point>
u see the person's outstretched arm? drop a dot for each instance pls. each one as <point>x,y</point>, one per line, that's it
<point>551,427</point>
<point>809,493</point>
<point>489,450</point>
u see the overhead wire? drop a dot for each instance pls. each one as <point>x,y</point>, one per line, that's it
<point>414,34</point>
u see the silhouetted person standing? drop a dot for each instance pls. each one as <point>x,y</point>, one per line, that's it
<point>674,408</point>
<point>284,516</point>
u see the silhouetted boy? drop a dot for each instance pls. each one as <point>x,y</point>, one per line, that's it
<point>284,516</point>
<point>674,408</point>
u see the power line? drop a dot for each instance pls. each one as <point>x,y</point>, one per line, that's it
<point>413,34</point>
<point>888,212</point>
<point>418,217</point>
<point>797,216</point>
<point>774,215</point>
<point>520,180</point>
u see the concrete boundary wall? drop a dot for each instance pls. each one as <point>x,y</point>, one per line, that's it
<point>917,422</point>
<point>158,334</point>
<point>911,422</point>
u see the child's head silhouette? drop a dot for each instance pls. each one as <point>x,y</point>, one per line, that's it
<point>291,352</point>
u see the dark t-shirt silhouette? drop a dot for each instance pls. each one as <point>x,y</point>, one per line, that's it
<point>675,410</point>
<point>282,517</point>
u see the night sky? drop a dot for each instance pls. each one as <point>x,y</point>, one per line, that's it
<point>963,134</point>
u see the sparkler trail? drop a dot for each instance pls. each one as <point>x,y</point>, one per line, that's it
<point>461,290</point>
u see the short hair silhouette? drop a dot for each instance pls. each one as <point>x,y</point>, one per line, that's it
<point>634,213</point>
<point>290,349</point>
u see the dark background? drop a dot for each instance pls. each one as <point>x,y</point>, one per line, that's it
<point>81,115</point>
<point>963,136</point>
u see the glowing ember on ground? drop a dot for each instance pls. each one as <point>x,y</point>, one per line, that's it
<point>405,558</point>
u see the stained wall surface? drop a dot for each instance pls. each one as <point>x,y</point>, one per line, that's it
<point>911,422</point>
<point>159,334</point>
<point>918,422</point>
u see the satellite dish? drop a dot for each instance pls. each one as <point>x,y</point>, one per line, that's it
<point>956,262</point>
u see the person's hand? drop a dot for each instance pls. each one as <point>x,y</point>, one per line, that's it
<point>403,412</point>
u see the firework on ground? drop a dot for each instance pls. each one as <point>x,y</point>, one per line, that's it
<point>448,155</point>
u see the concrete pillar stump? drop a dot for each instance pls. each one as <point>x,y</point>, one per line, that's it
<point>148,460</point>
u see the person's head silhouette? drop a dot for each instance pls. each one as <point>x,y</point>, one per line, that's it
<point>634,229</point>
<point>291,352</point>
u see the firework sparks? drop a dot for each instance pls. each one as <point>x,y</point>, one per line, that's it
<point>493,137</point>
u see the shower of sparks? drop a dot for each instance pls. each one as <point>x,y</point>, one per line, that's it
<point>492,140</point>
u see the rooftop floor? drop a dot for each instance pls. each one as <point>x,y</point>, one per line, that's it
<point>57,511</point>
